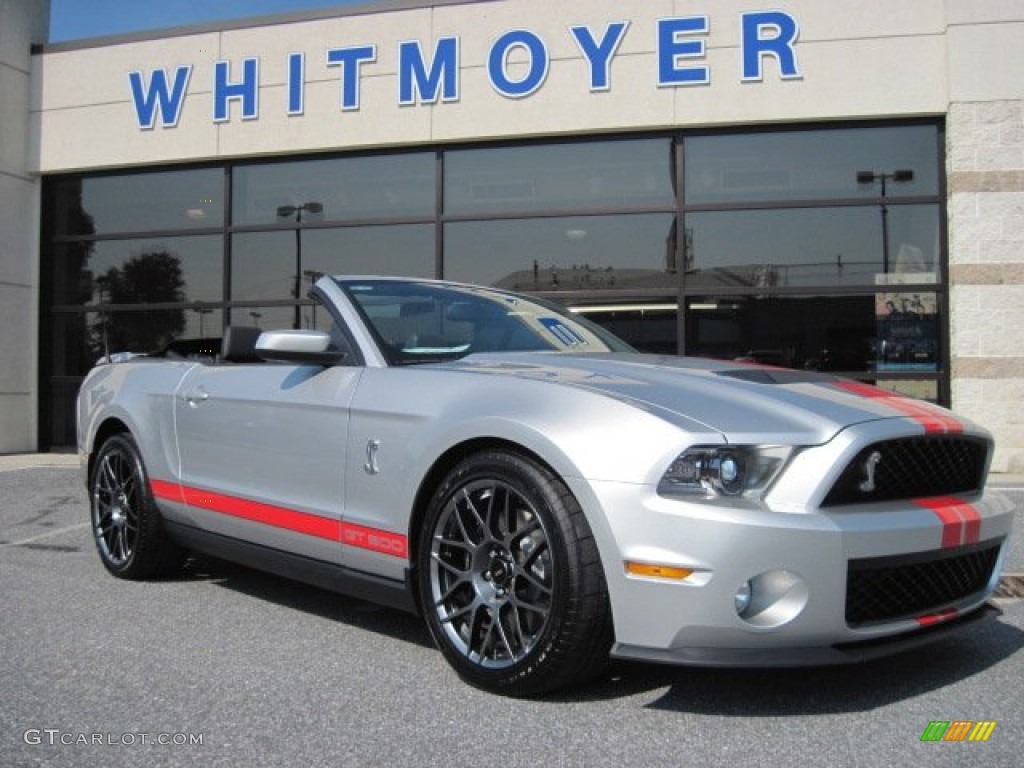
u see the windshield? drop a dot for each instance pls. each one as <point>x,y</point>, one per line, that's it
<point>425,322</point>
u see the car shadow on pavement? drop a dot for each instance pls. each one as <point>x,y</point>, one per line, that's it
<point>309,599</point>
<point>856,687</point>
<point>725,692</point>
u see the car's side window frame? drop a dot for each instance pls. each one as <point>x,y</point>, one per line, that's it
<point>341,335</point>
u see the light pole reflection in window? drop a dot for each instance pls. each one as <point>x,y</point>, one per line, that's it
<point>870,177</point>
<point>287,211</point>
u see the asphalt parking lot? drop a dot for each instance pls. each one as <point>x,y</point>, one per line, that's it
<point>225,666</point>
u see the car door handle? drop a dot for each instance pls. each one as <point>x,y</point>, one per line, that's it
<point>196,396</point>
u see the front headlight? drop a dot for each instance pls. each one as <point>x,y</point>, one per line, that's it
<point>711,471</point>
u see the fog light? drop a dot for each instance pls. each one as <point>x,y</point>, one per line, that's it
<point>773,598</point>
<point>742,598</point>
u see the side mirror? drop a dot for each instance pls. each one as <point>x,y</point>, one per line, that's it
<point>308,347</point>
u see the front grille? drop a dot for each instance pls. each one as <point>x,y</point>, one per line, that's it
<point>912,467</point>
<point>887,588</point>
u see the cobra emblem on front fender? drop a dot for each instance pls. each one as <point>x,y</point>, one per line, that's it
<point>371,467</point>
<point>871,463</point>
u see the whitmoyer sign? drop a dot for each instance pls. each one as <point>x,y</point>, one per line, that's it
<point>517,67</point>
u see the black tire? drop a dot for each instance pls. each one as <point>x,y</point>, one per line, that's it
<point>126,524</point>
<point>510,579</point>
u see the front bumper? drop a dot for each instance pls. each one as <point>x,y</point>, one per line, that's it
<point>842,653</point>
<point>799,564</point>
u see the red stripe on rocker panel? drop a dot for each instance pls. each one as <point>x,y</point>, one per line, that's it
<point>358,536</point>
<point>932,418</point>
<point>268,514</point>
<point>170,491</point>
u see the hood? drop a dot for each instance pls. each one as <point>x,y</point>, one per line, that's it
<point>747,403</point>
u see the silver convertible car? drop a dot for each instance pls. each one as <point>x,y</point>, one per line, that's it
<point>546,497</point>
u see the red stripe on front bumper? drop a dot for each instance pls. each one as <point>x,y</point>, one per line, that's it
<point>961,522</point>
<point>937,618</point>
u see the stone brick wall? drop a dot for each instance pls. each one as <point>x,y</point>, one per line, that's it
<point>985,146</point>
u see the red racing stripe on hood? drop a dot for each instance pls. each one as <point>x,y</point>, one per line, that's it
<point>961,523</point>
<point>931,417</point>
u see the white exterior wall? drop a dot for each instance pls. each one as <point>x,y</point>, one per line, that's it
<point>868,59</point>
<point>985,159</point>
<point>882,58</point>
<point>21,23</point>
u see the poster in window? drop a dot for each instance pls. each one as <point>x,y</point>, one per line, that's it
<point>906,321</point>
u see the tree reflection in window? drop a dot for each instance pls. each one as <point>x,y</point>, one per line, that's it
<point>147,279</point>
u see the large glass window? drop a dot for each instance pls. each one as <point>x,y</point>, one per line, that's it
<point>139,202</point>
<point>853,334</point>
<point>139,271</point>
<point>580,253</point>
<point>598,174</point>
<point>803,332</point>
<point>265,264</point>
<point>818,248</point>
<point>810,164</point>
<point>790,247</point>
<point>339,189</point>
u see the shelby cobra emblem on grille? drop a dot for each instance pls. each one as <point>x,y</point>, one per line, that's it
<point>872,461</point>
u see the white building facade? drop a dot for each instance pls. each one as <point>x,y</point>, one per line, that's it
<point>834,186</point>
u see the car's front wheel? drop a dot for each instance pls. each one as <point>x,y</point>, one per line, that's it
<point>511,583</point>
<point>126,523</point>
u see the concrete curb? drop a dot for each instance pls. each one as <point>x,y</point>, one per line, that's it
<point>32,460</point>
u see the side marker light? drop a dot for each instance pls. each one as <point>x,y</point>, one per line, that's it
<point>650,570</point>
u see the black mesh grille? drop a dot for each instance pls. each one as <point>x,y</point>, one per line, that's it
<point>911,467</point>
<point>882,589</point>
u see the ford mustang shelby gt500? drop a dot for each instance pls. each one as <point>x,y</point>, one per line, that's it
<point>546,497</point>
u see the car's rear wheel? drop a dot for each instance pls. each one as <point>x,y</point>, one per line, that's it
<point>126,523</point>
<point>510,579</point>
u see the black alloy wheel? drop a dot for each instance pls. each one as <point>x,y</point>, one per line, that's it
<point>510,581</point>
<point>126,523</point>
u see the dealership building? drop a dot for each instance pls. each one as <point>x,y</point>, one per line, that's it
<point>825,186</point>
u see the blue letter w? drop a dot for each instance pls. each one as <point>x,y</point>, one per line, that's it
<point>158,97</point>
